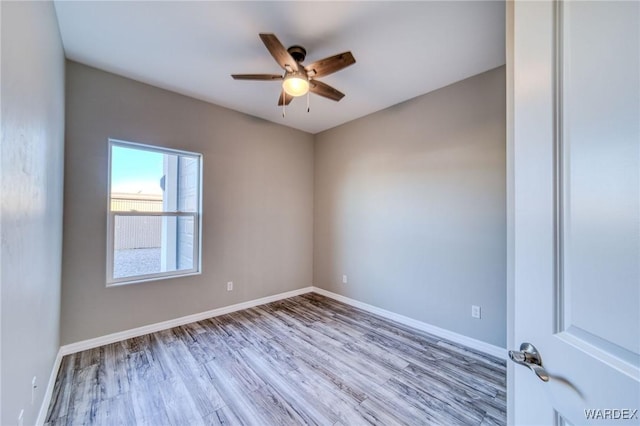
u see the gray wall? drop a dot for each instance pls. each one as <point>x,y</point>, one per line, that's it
<point>257,204</point>
<point>31,202</point>
<point>410,205</point>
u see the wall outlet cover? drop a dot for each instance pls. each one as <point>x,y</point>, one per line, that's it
<point>475,311</point>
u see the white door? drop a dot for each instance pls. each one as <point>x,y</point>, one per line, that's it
<point>574,210</point>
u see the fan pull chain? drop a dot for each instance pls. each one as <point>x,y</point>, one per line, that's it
<point>308,95</point>
<point>283,104</point>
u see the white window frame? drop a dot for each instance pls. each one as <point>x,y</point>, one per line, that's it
<point>111,215</point>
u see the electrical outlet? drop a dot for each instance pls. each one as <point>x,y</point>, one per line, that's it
<point>475,311</point>
<point>230,286</point>
<point>34,386</point>
<point>344,279</point>
<point>21,418</point>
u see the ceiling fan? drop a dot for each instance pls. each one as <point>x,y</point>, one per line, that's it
<point>299,79</point>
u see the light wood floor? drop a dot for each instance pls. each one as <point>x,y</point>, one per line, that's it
<point>304,360</point>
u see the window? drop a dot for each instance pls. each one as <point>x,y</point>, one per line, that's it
<point>154,213</point>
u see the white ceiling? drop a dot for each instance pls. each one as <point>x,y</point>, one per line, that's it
<point>402,49</point>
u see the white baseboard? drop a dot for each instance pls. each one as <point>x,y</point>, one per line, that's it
<point>461,339</point>
<point>164,325</point>
<point>48,392</point>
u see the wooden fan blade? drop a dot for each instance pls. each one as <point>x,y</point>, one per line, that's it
<point>330,65</point>
<point>279,53</point>
<point>322,89</point>
<point>256,76</point>
<point>284,97</point>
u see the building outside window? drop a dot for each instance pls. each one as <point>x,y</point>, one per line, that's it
<point>154,213</point>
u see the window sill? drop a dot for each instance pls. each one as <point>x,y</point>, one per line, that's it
<point>149,279</point>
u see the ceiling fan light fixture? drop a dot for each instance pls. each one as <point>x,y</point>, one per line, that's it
<point>296,84</point>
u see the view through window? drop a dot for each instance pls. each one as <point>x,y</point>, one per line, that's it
<point>154,213</point>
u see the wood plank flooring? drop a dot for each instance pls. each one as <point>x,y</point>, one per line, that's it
<point>303,360</point>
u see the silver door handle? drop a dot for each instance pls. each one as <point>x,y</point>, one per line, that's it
<point>529,356</point>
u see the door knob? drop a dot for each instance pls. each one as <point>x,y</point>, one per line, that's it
<point>529,356</point>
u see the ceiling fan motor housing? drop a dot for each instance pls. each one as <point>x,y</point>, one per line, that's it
<point>297,52</point>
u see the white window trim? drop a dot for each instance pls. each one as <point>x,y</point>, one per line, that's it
<point>197,222</point>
